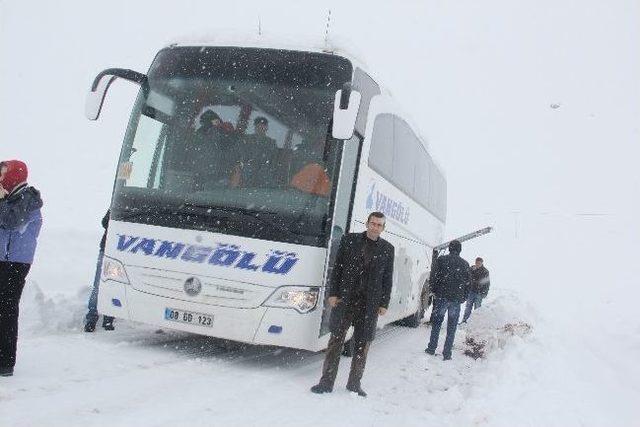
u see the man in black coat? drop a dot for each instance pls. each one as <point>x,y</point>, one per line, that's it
<point>479,288</point>
<point>451,287</point>
<point>360,291</point>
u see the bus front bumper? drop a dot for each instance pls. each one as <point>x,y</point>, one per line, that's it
<point>262,325</point>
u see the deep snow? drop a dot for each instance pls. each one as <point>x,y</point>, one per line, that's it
<point>137,373</point>
<point>545,375</point>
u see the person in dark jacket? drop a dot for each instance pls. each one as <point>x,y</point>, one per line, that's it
<point>20,223</point>
<point>214,154</point>
<point>360,291</point>
<point>451,287</point>
<point>259,157</point>
<point>479,288</point>
<point>92,315</point>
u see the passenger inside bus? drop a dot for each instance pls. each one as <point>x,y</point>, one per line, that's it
<point>312,179</point>
<point>310,176</point>
<point>216,151</point>
<point>217,155</point>
<point>259,157</point>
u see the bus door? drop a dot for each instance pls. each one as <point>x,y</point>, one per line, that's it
<point>343,206</point>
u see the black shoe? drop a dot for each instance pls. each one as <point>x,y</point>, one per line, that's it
<point>347,349</point>
<point>428,351</point>
<point>358,390</point>
<point>107,323</point>
<point>90,326</point>
<point>321,389</point>
<point>6,372</point>
<point>446,357</point>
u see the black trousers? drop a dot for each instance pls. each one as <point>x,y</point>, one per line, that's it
<point>12,279</point>
<point>354,314</point>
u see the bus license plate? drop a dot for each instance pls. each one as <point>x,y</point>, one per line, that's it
<point>189,317</point>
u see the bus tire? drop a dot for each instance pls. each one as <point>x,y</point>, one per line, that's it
<point>415,319</point>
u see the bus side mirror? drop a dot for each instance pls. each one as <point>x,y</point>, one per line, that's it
<point>100,86</point>
<point>345,111</point>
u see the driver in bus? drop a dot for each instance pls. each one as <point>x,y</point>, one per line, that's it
<point>259,157</point>
<point>215,154</point>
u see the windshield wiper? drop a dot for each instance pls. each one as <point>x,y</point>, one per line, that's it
<point>157,211</point>
<point>231,213</point>
<point>211,215</point>
<point>132,213</point>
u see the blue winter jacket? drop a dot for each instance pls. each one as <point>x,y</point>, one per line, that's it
<point>20,222</point>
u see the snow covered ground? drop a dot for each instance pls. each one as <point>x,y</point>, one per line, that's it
<point>543,376</point>
<point>136,373</point>
<point>532,109</point>
<point>566,363</point>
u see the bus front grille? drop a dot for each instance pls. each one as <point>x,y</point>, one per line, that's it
<point>213,290</point>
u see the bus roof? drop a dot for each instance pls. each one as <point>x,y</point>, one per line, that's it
<point>295,43</point>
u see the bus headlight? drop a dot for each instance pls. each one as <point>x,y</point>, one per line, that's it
<point>113,269</point>
<point>301,298</point>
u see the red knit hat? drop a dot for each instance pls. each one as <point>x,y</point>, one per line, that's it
<point>15,175</point>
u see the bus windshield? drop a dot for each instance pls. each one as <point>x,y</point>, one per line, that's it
<point>235,141</point>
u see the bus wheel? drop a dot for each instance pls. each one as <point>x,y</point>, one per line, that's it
<point>414,320</point>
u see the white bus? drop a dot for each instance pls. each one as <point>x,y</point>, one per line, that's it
<point>219,230</point>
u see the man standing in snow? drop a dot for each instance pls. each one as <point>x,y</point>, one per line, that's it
<point>360,291</point>
<point>479,288</point>
<point>451,287</point>
<point>20,222</point>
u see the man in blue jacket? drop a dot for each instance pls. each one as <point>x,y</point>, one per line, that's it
<point>20,222</point>
<point>451,288</point>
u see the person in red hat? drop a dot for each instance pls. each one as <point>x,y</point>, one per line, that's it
<point>20,222</point>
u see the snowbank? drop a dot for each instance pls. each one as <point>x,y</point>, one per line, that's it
<point>496,324</point>
<point>43,314</point>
